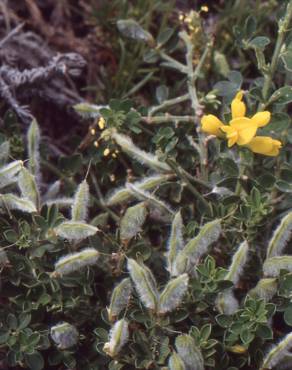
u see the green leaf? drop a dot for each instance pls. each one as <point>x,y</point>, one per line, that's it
<point>224,320</point>
<point>282,95</point>
<point>161,93</point>
<point>264,332</point>
<point>246,336</point>
<point>165,35</point>
<point>24,320</point>
<point>71,164</point>
<point>259,42</point>
<point>287,282</point>
<point>35,361</point>
<point>4,337</point>
<point>12,321</point>
<point>250,26</point>
<point>225,88</point>
<point>205,332</point>
<point>288,315</point>
<point>286,57</point>
<point>284,186</point>
<point>235,77</point>
<point>132,30</point>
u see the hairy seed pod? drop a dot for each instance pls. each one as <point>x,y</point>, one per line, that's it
<point>189,352</point>
<point>73,230</point>
<point>76,261</point>
<point>237,264</point>
<point>175,242</point>
<point>33,139</point>
<point>141,156</point>
<point>150,199</point>
<point>132,221</point>
<point>226,302</point>
<point>11,201</point>
<point>64,335</point>
<point>265,289</point>
<point>276,354</point>
<point>28,187</point>
<point>119,299</point>
<point>124,194</point>
<point>118,337</point>
<point>3,257</point>
<point>80,205</point>
<point>89,110</point>
<point>175,362</point>
<point>145,284</point>
<point>173,293</point>
<point>198,246</point>
<point>4,151</point>
<point>272,266</point>
<point>60,202</point>
<point>281,236</point>
<point>9,172</point>
<point>52,191</point>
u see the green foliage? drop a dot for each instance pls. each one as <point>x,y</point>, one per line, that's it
<point>148,244</point>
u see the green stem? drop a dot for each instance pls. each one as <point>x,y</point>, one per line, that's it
<point>185,179</point>
<point>283,28</point>
<point>169,103</point>
<point>173,63</point>
<point>139,85</point>
<point>100,201</point>
<point>197,108</point>
<point>168,118</point>
<point>242,167</point>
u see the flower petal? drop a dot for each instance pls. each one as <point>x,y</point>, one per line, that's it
<point>261,144</point>
<point>238,108</point>
<point>241,123</point>
<point>231,134</point>
<point>265,145</point>
<point>246,135</point>
<point>261,119</point>
<point>211,125</point>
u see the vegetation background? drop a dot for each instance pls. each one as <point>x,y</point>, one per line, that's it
<point>130,238</point>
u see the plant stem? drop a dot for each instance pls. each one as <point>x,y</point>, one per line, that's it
<point>283,28</point>
<point>168,103</point>
<point>139,85</point>
<point>185,179</point>
<point>197,108</point>
<point>241,173</point>
<point>173,63</point>
<point>100,201</point>
<point>168,118</point>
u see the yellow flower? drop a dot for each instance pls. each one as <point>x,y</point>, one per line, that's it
<point>211,125</point>
<point>241,129</point>
<point>238,108</point>
<point>265,145</point>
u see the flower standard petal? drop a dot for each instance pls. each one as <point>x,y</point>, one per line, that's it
<point>238,108</point>
<point>211,125</point>
<point>261,119</point>
<point>241,123</point>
